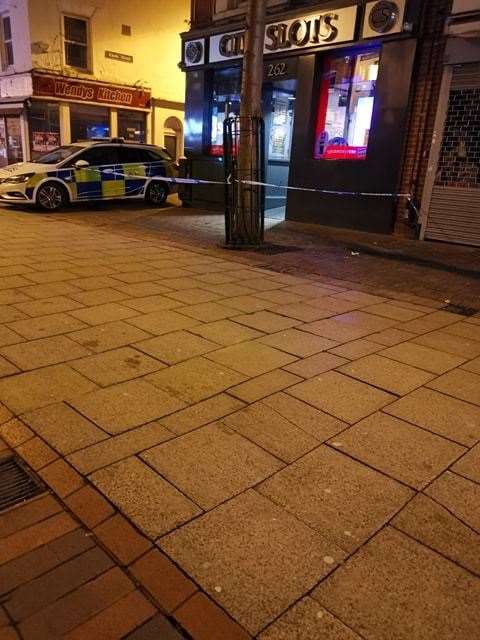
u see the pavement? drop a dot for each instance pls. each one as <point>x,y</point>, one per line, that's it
<point>280,445</point>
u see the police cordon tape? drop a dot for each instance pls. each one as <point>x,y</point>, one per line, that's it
<point>254,183</point>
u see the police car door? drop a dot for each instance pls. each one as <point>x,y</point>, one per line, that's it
<point>99,179</point>
<point>133,161</point>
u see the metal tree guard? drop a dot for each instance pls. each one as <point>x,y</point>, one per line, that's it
<point>244,202</point>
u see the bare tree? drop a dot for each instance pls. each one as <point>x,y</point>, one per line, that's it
<point>247,230</point>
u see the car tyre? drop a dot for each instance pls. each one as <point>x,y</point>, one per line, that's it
<point>157,193</point>
<point>51,196</point>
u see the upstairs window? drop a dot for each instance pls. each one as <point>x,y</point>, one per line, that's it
<point>76,42</point>
<point>7,44</point>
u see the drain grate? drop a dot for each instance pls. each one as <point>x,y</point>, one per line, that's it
<point>16,483</point>
<point>462,311</point>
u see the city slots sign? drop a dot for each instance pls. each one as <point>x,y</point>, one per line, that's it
<point>313,30</point>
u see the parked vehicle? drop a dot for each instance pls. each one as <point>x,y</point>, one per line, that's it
<point>91,170</point>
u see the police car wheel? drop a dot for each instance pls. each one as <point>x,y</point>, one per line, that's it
<point>50,197</point>
<point>157,193</point>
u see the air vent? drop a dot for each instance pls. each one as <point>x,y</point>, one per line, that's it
<point>126,30</point>
<point>16,483</point>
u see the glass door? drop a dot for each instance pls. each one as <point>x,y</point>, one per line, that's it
<point>279,114</point>
<point>14,139</point>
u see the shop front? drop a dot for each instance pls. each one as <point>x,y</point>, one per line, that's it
<point>335,101</point>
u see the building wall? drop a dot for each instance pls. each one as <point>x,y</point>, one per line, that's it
<point>426,84</point>
<point>153,43</point>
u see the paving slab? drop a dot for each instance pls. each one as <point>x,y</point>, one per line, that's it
<point>366,299</point>
<point>117,448</point>
<point>39,388</point>
<point>438,599</point>
<point>266,321</point>
<point>390,337</point>
<point>160,322</point>
<point>441,414</point>
<point>456,345</point>
<point>208,312</point>
<point>195,380</point>
<point>103,313</point>
<point>123,406</point>
<point>264,385</point>
<point>436,527</point>
<point>192,296</point>
<point>473,366</point>
<point>251,358</point>
<point>307,620</point>
<point>150,502</point>
<point>151,304</point>
<point>404,452</point>
<point>422,357</point>
<point>97,296</point>
<point>344,500</point>
<point>268,428</point>
<point>387,374</point>
<point>433,321</point>
<point>43,352</point>
<point>315,365</point>
<point>343,397</point>
<point>302,311</point>
<point>298,343</point>
<point>469,465</point>
<point>461,329</point>
<point>43,307</point>
<point>249,546</point>
<point>356,349</point>
<point>202,413</point>
<point>41,327</point>
<point>108,336</point>
<point>246,303</point>
<point>459,384</point>
<point>118,365</point>
<point>389,310</point>
<point>226,332</point>
<point>63,428</point>
<point>176,346</point>
<point>349,326</point>
<point>225,464</point>
<point>459,495</point>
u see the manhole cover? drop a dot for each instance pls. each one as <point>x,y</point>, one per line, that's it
<point>462,311</point>
<point>16,484</point>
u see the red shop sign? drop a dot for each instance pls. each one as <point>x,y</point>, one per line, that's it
<point>80,91</point>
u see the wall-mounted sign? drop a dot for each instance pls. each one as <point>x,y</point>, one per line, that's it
<point>79,91</point>
<point>121,57</point>
<point>383,17</point>
<point>313,30</point>
<point>194,52</point>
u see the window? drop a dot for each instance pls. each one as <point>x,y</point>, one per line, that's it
<point>131,125</point>
<point>76,42</point>
<point>87,122</point>
<point>126,30</point>
<point>225,103</point>
<point>98,156</point>
<point>132,155</point>
<point>345,108</point>
<point>59,155</point>
<point>44,125</point>
<point>7,42</point>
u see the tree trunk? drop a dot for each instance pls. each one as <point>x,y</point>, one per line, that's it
<point>247,228</point>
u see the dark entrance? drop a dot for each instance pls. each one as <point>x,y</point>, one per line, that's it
<point>279,113</point>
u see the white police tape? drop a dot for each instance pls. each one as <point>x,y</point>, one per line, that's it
<point>255,183</point>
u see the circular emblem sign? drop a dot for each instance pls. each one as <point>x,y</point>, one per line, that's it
<point>194,52</point>
<point>383,16</point>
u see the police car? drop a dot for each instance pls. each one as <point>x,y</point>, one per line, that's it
<point>91,170</point>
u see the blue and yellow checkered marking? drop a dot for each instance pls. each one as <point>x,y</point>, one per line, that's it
<point>108,181</point>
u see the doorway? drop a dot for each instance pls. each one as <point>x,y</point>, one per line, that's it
<point>10,140</point>
<point>279,114</point>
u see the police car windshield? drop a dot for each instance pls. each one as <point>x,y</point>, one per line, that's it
<point>59,154</point>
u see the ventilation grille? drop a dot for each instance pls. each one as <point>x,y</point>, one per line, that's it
<point>16,484</point>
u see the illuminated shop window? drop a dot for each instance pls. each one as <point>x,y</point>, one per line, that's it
<point>345,110</point>
<point>225,103</point>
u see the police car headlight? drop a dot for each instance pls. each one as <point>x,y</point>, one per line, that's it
<point>24,177</point>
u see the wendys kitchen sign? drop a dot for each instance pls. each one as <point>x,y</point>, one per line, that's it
<point>79,91</point>
<point>313,30</point>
